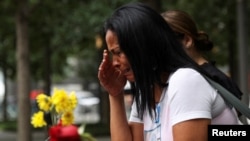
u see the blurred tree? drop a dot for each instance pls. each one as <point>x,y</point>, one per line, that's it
<point>242,49</point>
<point>7,47</point>
<point>23,71</point>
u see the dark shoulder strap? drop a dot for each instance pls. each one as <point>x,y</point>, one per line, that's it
<point>230,98</point>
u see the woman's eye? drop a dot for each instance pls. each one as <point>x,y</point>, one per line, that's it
<point>117,52</point>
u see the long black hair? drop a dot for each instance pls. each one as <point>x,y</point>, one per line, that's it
<point>151,48</point>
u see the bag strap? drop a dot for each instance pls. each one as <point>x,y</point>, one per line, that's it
<point>230,98</point>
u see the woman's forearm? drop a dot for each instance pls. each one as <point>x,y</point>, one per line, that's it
<point>119,126</point>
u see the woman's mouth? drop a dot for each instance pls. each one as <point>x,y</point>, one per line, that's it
<point>127,71</point>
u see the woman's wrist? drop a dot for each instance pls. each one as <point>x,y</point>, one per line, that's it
<point>116,94</point>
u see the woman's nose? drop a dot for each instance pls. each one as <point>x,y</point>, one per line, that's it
<point>115,61</point>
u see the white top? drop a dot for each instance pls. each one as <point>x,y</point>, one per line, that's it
<point>188,96</point>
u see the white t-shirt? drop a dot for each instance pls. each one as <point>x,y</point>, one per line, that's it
<point>188,96</point>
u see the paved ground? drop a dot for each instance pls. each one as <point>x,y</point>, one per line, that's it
<point>36,136</point>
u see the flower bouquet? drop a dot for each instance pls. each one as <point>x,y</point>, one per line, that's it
<point>61,107</point>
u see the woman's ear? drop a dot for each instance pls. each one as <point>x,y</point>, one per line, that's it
<point>187,41</point>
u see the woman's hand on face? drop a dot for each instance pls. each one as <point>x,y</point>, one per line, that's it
<point>110,77</point>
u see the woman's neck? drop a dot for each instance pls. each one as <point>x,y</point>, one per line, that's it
<point>158,88</point>
<point>197,57</point>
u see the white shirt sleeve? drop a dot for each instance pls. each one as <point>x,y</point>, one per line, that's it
<point>134,117</point>
<point>189,96</point>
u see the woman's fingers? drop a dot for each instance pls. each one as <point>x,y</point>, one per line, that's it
<point>110,77</point>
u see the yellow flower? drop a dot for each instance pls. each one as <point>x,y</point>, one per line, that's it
<point>44,102</point>
<point>73,100</point>
<point>61,101</point>
<point>67,118</point>
<point>60,105</point>
<point>37,119</point>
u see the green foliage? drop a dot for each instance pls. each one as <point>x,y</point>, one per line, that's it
<point>65,28</point>
<point>7,37</point>
<point>8,126</point>
<point>57,29</point>
<point>87,137</point>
